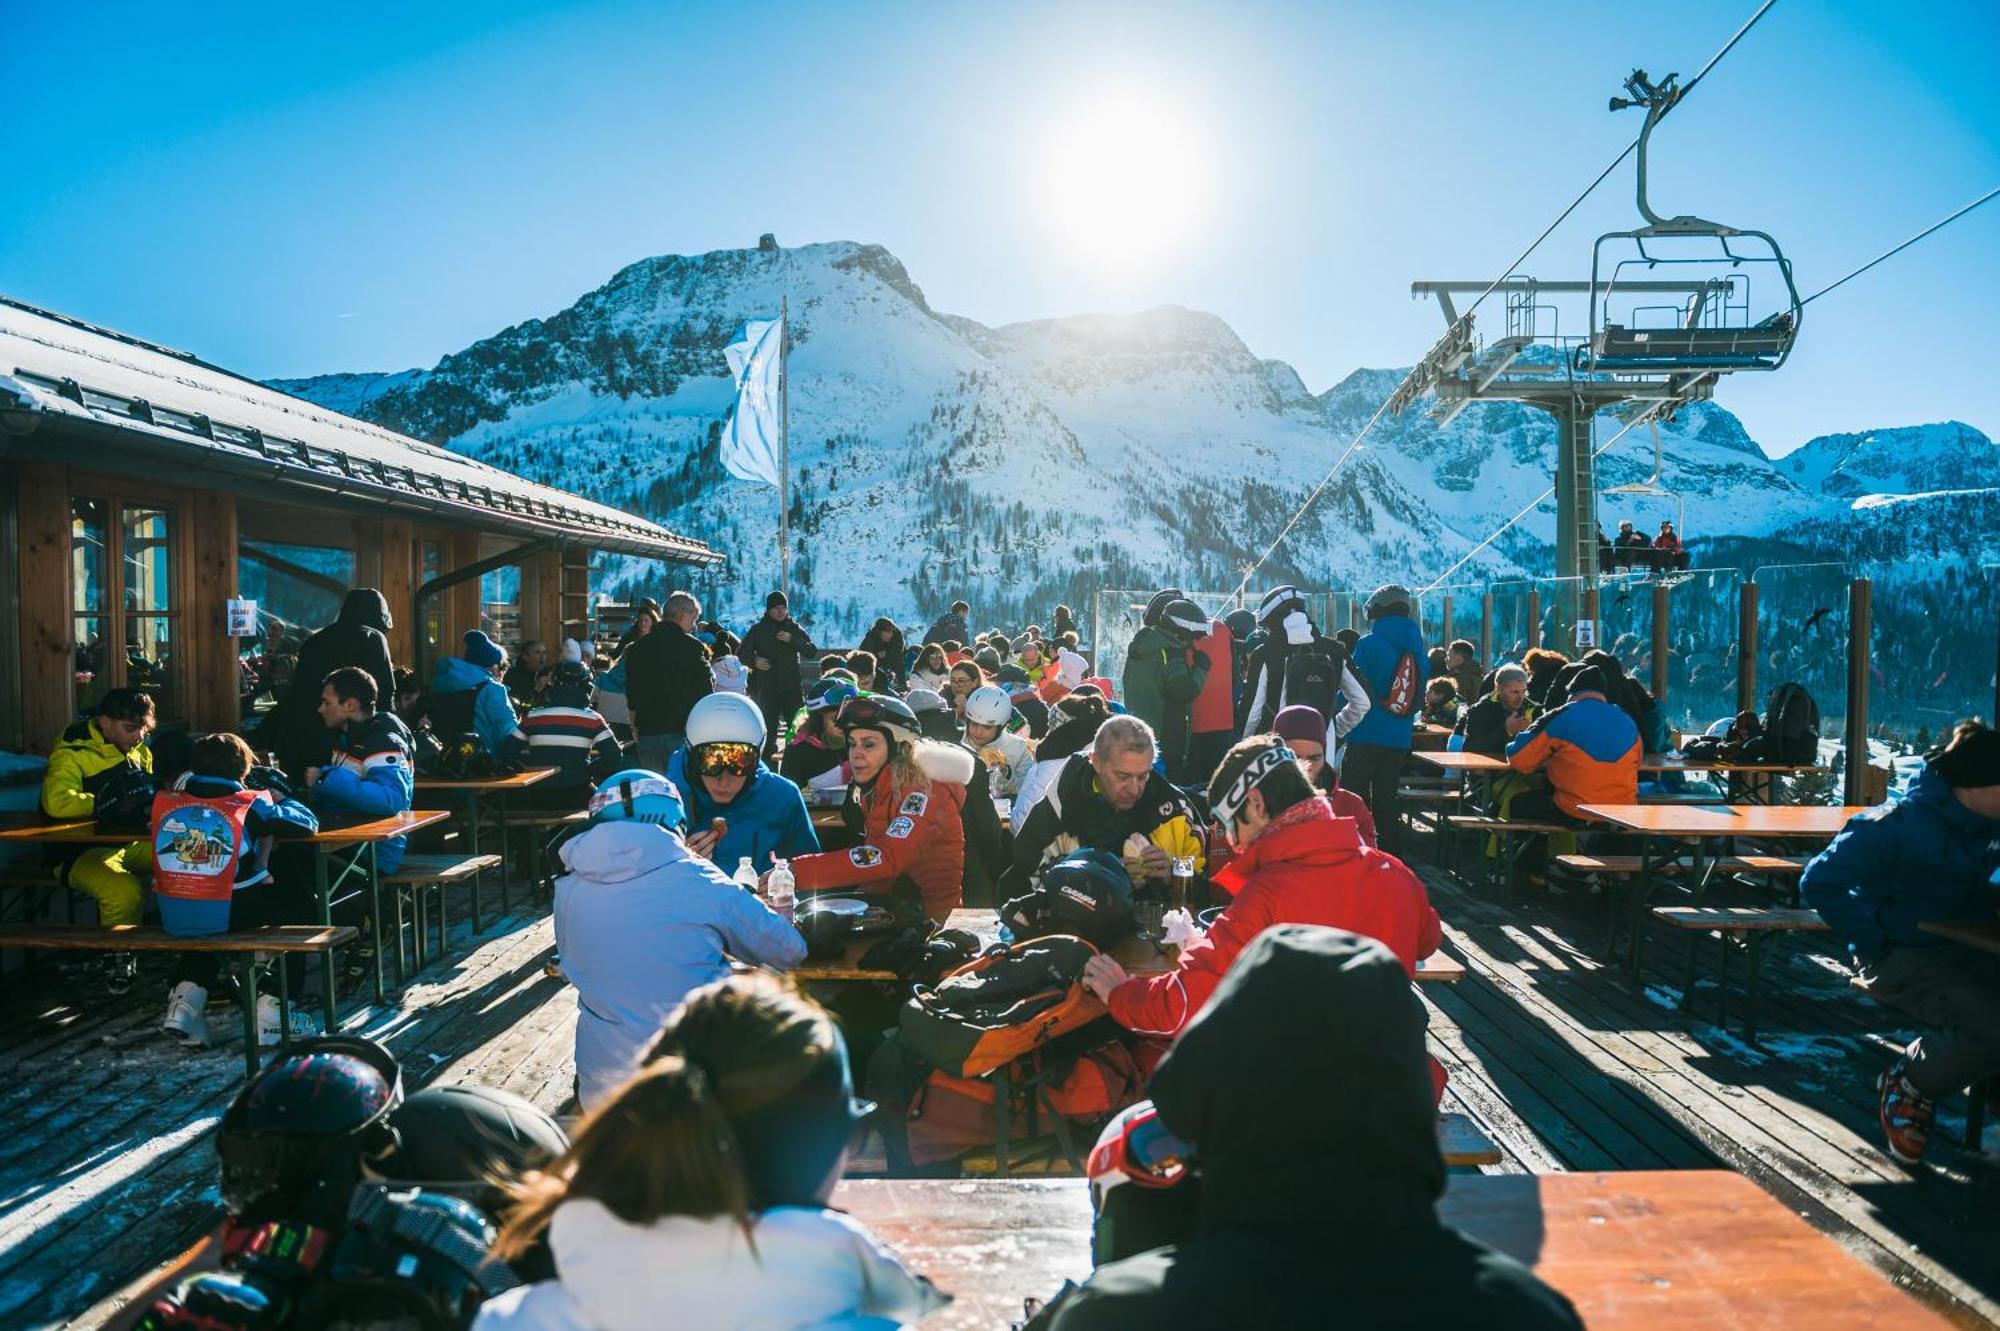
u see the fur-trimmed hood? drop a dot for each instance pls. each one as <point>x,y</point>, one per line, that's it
<point>944,762</point>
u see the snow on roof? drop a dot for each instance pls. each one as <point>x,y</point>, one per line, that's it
<point>58,366</point>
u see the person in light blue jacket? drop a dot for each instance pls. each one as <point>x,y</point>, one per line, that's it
<point>1391,664</point>
<point>466,694</point>
<point>641,920</point>
<point>720,773</point>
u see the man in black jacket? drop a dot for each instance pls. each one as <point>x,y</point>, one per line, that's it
<point>666,674</point>
<point>357,637</point>
<point>772,649</point>
<point>1318,1166</point>
<point>1490,724</point>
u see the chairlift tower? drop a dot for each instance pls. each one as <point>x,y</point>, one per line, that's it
<point>1669,313</point>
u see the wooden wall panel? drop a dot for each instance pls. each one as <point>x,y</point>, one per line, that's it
<point>398,583</point>
<point>42,504</point>
<point>542,600</point>
<point>214,699</point>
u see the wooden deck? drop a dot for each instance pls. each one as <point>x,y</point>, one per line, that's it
<point>108,1169</point>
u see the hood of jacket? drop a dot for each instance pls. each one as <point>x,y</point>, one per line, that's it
<point>1153,638</point>
<point>619,852</point>
<point>455,674</point>
<point>366,608</point>
<point>1934,792</point>
<point>950,763</point>
<point>1400,632</point>
<point>1303,1125</point>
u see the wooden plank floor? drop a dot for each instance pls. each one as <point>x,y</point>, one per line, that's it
<point>1566,1064</point>
<point>1605,1072</point>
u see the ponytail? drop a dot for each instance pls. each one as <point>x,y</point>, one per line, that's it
<point>660,1146</point>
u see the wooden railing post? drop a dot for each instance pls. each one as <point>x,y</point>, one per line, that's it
<point>1860,626</point>
<point>1662,610</point>
<point>1534,620</point>
<point>1486,631</point>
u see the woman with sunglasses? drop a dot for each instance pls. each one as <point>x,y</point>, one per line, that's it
<point>906,801</point>
<point>966,679</point>
<point>721,776</point>
<point>696,1196</point>
<point>931,671</point>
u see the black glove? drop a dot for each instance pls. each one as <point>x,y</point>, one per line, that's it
<point>265,777</point>
<point>1197,657</point>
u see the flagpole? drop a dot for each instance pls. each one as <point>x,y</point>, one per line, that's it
<point>784,447</point>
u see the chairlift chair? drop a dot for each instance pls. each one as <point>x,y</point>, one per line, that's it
<point>1651,488</point>
<point>1711,330</point>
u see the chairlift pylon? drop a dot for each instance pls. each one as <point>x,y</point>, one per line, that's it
<point>1711,330</point>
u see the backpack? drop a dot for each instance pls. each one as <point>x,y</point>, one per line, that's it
<point>1312,677</point>
<point>1008,1002</point>
<point>451,713</point>
<point>949,1116</point>
<point>1405,691</point>
<point>125,799</point>
<point>1791,729</point>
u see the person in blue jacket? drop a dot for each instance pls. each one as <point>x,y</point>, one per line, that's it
<point>367,775</point>
<point>1930,856</point>
<point>1390,663</point>
<point>466,694</point>
<point>641,921</point>
<point>720,774</point>
<point>211,821</point>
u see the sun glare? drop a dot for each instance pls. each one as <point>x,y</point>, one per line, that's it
<point>1128,179</point>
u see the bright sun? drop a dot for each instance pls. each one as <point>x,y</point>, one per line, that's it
<point>1127,179</point>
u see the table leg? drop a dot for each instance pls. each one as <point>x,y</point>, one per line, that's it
<point>479,879</point>
<point>375,923</point>
<point>329,995</point>
<point>251,972</point>
<point>283,966</point>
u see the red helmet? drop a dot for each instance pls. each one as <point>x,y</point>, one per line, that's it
<point>1136,1147</point>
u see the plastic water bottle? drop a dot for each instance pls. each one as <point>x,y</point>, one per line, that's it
<point>745,876</point>
<point>781,890</point>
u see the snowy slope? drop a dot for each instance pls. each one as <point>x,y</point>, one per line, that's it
<point>1021,465</point>
<point>1913,459</point>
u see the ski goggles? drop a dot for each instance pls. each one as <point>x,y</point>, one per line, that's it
<point>726,758</point>
<point>1230,802</point>
<point>868,711</point>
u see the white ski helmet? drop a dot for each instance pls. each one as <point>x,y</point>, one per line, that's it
<point>725,718</point>
<point>989,706</point>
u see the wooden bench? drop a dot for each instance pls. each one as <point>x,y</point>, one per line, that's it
<point>255,945</point>
<point>541,825</point>
<point>420,875</point>
<point>1514,836</point>
<point>1770,866</point>
<point>1749,928</point>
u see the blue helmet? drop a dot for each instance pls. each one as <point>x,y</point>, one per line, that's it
<point>1088,868</point>
<point>638,796</point>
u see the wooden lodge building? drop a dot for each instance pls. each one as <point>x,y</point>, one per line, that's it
<point>143,490</point>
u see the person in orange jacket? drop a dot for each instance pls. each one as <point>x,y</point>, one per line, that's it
<point>1295,863</point>
<point>1212,719</point>
<point>1588,749</point>
<point>906,801</point>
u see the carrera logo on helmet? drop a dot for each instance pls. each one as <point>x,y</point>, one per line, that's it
<point>1080,897</point>
<point>901,828</point>
<point>914,806</point>
<point>864,857</point>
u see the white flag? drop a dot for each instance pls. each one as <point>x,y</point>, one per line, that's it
<point>750,435</point>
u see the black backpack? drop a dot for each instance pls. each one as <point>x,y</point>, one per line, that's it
<point>1791,729</point>
<point>450,713</point>
<point>1312,677</point>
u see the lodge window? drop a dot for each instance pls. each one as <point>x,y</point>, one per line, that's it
<point>125,601</point>
<point>430,559</point>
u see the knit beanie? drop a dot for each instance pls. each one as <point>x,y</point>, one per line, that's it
<point>1070,668</point>
<point>1299,722</point>
<point>1972,760</point>
<point>481,650</point>
<point>774,600</point>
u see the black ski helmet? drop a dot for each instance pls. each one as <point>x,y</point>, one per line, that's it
<point>1157,606</point>
<point>467,1134</point>
<point>1184,617</point>
<point>293,1141</point>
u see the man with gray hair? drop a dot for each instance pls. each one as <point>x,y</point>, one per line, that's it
<point>1111,799</point>
<point>666,674</point>
<point>1490,724</point>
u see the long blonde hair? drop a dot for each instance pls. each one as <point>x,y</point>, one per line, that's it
<point>663,1144</point>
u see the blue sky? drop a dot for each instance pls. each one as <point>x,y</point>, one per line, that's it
<point>298,189</point>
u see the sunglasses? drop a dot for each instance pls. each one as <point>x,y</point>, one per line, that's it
<point>726,759</point>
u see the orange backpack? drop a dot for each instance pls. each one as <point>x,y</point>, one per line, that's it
<point>1005,1003</point>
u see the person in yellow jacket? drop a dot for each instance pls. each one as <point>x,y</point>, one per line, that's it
<point>85,759</point>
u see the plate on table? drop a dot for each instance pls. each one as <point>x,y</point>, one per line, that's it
<point>853,906</point>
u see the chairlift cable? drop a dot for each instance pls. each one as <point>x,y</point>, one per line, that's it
<point>1561,217</point>
<point>1890,253</point>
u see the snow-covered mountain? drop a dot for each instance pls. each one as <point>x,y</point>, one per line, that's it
<point>1032,463</point>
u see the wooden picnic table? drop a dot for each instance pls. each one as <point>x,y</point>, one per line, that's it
<point>1137,955</point>
<point>1669,824</point>
<point>361,838</point>
<point>1642,1249</point>
<point>474,790</point>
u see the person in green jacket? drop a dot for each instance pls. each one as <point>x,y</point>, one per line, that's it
<point>1164,674</point>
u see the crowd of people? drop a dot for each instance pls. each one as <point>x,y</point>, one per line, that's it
<point>1239,773</point>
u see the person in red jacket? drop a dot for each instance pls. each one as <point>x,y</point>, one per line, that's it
<point>1212,718</point>
<point>1296,863</point>
<point>905,802</point>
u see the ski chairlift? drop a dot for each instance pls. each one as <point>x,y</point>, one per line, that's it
<point>1710,329</point>
<point>1658,565</point>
